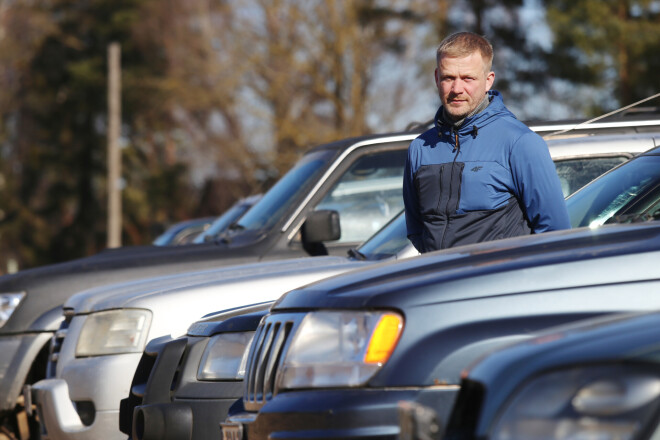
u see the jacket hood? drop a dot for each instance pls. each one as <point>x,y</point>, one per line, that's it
<point>495,110</point>
<point>485,269</point>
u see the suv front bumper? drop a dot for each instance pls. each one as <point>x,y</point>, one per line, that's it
<point>342,414</point>
<point>59,418</point>
<point>100,382</point>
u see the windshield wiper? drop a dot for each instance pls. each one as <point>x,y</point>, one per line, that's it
<point>235,227</point>
<point>225,236</point>
<point>637,218</point>
<point>354,253</point>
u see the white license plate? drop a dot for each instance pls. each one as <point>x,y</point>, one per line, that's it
<point>232,431</point>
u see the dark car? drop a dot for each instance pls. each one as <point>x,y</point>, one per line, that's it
<point>599,379</point>
<point>334,358</point>
<point>214,383</point>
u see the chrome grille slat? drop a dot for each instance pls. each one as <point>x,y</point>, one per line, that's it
<point>263,359</point>
<point>266,356</point>
<point>56,346</point>
<point>252,371</point>
<point>269,375</point>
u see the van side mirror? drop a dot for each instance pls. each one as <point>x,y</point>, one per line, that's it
<point>321,226</point>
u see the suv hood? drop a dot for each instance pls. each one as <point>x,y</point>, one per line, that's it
<point>437,277</point>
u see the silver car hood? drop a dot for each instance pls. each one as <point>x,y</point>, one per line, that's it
<point>117,295</point>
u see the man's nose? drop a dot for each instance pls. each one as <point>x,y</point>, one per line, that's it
<point>457,86</point>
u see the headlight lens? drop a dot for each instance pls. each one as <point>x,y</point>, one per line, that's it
<point>332,349</point>
<point>225,357</point>
<point>600,402</point>
<point>113,332</point>
<point>8,303</point>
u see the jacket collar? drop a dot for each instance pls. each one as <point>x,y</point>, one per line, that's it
<point>471,124</point>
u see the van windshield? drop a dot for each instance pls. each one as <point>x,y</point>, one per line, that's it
<point>288,191</point>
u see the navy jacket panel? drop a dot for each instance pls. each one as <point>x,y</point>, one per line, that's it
<point>494,178</point>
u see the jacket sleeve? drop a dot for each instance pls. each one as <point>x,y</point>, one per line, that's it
<point>537,184</point>
<point>411,203</point>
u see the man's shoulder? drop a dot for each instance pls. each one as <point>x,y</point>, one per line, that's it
<point>428,138</point>
<point>515,130</point>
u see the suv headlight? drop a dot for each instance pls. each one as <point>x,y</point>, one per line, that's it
<point>8,303</point>
<point>333,349</point>
<point>113,332</point>
<point>225,357</point>
<point>603,402</point>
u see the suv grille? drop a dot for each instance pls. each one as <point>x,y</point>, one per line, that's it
<point>158,366</point>
<point>266,355</point>
<point>56,344</point>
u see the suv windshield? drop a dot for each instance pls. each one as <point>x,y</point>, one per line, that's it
<point>387,242</point>
<point>627,193</point>
<point>287,191</point>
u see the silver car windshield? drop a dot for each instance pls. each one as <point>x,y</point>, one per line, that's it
<point>287,191</point>
<point>628,193</point>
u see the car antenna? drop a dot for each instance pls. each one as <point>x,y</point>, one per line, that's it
<point>556,133</point>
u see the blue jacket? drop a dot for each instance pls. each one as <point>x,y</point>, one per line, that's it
<point>492,178</point>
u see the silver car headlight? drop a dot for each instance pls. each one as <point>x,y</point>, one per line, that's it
<point>594,402</point>
<point>334,349</point>
<point>8,303</point>
<point>225,357</point>
<point>113,332</point>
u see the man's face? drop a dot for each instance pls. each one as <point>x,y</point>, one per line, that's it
<point>462,83</point>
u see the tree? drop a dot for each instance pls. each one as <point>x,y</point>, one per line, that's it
<point>54,122</point>
<point>611,45</point>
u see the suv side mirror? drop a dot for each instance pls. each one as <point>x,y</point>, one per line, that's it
<point>320,226</point>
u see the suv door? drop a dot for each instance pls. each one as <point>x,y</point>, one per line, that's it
<point>366,191</point>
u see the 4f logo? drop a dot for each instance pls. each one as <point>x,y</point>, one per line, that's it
<point>475,169</point>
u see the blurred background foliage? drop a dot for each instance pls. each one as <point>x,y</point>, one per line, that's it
<point>220,97</point>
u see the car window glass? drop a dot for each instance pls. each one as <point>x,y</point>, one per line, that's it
<point>222,222</point>
<point>287,191</point>
<point>618,192</point>
<point>575,173</point>
<point>388,241</point>
<point>368,194</point>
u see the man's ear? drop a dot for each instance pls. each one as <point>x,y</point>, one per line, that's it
<point>490,79</point>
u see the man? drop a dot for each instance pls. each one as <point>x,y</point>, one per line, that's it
<point>480,174</point>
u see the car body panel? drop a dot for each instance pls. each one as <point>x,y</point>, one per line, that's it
<point>624,338</point>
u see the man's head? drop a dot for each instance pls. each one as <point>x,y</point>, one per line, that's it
<point>463,74</point>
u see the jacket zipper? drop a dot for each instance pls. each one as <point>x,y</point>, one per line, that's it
<point>451,181</point>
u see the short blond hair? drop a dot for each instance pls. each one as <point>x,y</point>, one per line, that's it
<point>462,44</point>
